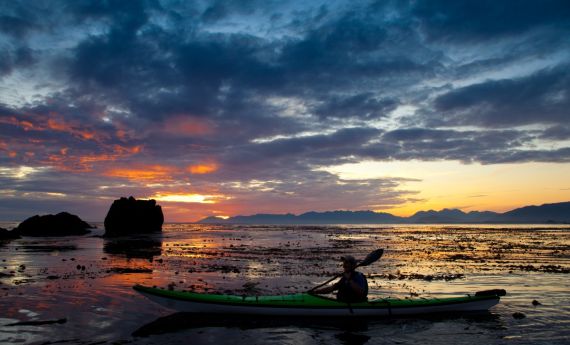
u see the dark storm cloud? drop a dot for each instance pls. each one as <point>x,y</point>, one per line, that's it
<point>467,21</point>
<point>292,159</point>
<point>225,77</point>
<point>556,133</point>
<point>561,155</point>
<point>15,59</point>
<point>19,19</point>
<point>489,147</point>
<point>118,11</point>
<point>542,97</point>
<point>221,9</point>
<point>173,84</point>
<point>14,26</point>
<point>118,55</point>
<point>364,105</point>
<point>156,73</point>
<point>338,144</point>
<point>355,47</point>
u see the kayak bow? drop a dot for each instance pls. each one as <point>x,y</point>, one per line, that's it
<point>304,304</point>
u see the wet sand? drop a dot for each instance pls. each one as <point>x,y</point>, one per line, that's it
<point>78,289</point>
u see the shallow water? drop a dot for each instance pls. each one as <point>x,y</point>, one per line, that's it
<point>85,283</point>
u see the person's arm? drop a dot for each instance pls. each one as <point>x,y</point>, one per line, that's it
<point>326,289</point>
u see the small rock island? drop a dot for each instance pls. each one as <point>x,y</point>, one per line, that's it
<point>6,234</point>
<point>128,216</point>
<point>61,224</point>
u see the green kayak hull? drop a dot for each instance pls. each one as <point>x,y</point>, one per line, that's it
<point>304,304</point>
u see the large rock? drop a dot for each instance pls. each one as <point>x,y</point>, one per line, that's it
<point>131,216</point>
<point>8,235</point>
<point>61,224</point>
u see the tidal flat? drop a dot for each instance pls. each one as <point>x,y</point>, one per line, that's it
<point>78,289</point>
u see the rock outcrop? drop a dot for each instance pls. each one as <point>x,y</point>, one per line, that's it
<point>8,235</point>
<point>61,224</point>
<point>131,216</point>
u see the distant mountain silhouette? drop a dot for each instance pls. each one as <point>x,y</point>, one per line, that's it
<point>454,216</point>
<point>330,217</point>
<point>547,213</point>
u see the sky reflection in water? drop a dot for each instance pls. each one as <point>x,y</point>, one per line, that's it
<point>87,280</point>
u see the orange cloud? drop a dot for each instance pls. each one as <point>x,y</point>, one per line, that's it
<point>97,158</point>
<point>62,126</point>
<point>200,169</point>
<point>62,158</point>
<point>26,125</point>
<point>52,123</point>
<point>187,125</point>
<point>144,173</point>
<point>57,126</point>
<point>127,150</point>
<point>121,134</point>
<point>62,161</point>
<point>82,163</point>
<point>4,147</point>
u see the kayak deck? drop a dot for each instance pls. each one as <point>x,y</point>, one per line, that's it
<point>307,304</point>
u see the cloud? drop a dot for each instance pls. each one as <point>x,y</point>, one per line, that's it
<point>487,147</point>
<point>200,169</point>
<point>313,191</point>
<point>18,58</point>
<point>151,173</point>
<point>556,133</point>
<point>542,97</point>
<point>467,21</point>
<point>302,150</point>
<point>363,105</point>
<point>16,25</point>
<point>250,98</point>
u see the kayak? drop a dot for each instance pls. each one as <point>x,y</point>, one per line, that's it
<point>304,304</point>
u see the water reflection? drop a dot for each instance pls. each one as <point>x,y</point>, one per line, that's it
<point>89,279</point>
<point>351,330</point>
<point>184,321</point>
<point>143,247</point>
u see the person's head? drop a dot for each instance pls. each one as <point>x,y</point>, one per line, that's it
<point>348,263</point>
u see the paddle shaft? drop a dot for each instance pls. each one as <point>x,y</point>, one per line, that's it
<point>370,258</point>
<point>330,280</point>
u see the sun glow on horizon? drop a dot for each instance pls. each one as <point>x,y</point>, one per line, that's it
<point>468,187</point>
<point>188,198</point>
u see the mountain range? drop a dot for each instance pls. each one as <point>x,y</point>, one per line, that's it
<point>543,214</point>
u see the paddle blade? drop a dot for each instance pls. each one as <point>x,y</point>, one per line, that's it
<point>372,257</point>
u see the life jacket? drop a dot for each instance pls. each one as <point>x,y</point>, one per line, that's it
<point>345,292</point>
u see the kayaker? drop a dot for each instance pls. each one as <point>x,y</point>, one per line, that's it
<point>352,286</point>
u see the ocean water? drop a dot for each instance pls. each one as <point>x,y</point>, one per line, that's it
<point>78,290</point>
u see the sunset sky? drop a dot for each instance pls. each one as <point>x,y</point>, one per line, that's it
<point>242,107</point>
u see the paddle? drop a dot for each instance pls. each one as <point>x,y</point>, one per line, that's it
<point>369,259</point>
